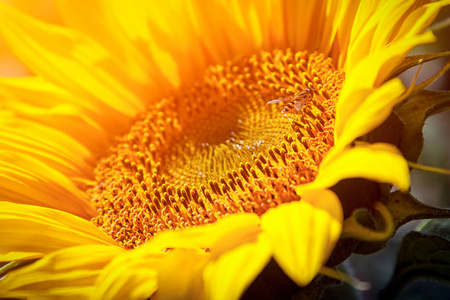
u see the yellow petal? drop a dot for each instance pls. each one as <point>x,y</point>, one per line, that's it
<point>380,40</point>
<point>57,151</point>
<point>68,273</point>
<point>25,179</point>
<point>19,255</point>
<point>362,90</point>
<point>27,228</point>
<point>225,234</point>
<point>71,61</point>
<point>363,102</point>
<point>150,40</point>
<point>94,18</point>
<point>390,26</point>
<point>370,108</point>
<point>180,276</point>
<point>24,97</point>
<point>42,9</point>
<point>133,275</point>
<point>378,162</point>
<point>326,200</point>
<point>302,237</point>
<point>233,272</point>
<point>422,17</point>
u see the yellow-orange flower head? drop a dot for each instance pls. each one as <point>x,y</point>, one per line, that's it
<point>218,148</point>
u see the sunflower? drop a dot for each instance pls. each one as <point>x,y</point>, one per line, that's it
<point>182,150</point>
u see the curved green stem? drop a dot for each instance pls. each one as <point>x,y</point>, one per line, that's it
<point>428,168</point>
<point>336,274</point>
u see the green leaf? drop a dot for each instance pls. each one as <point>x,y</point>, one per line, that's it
<point>420,257</point>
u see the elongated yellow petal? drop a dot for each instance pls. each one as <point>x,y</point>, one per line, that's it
<point>379,162</point>
<point>62,110</point>
<point>370,15</point>
<point>420,19</point>
<point>26,180</point>
<point>27,228</point>
<point>391,25</point>
<point>70,60</point>
<point>67,273</point>
<point>302,237</point>
<point>135,274</point>
<point>42,9</point>
<point>52,147</point>
<point>369,113</point>
<point>151,39</point>
<point>361,90</point>
<point>378,45</point>
<point>96,20</point>
<point>181,275</point>
<point>132,275</point>
<point>231,274</point>
<point>218,237</point>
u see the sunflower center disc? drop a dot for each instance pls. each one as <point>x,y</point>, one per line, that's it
<point>220,148</point>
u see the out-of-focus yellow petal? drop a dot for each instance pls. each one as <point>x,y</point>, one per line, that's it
<point>24,139</point>
<point>42,9</point>
<point>62,110</point>
<point>148,38</point>
<point>133,275</point>
<point>219,237</point>
<point>15,255</point>
<point>28,228</point>
<point>233,272</point>
<point>181,275</point>
<point>67,273</point>
<point>26,180</point>
<point>71,61</point>
<point>94,19</point>
<point>302,237</point>
<point>326,200</point>
<point>378,162</point>
<point>246,27</point>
